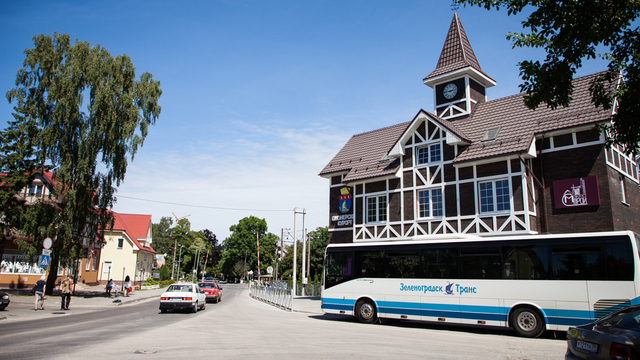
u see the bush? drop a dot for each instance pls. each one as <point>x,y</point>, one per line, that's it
<point>165,273</point>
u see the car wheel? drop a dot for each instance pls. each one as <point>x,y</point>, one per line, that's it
<point>527,322</point>
<point>195,308</point>
<point>163,310</point>
<point>204,305</point>
<point>366,312</point>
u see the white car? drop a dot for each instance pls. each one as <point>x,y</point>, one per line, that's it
<point>183,296</point>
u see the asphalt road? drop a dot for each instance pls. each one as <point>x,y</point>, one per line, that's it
<point>240,328</point>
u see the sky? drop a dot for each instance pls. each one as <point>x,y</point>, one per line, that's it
<point>258,96</point>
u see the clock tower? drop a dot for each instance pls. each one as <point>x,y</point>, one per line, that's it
<point>458,81</point>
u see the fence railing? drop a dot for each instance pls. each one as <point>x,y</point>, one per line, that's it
<point>277,296</point>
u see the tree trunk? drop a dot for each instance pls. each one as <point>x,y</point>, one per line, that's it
<point>53,273</point>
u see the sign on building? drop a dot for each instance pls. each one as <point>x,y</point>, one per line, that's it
<point>576,192</point>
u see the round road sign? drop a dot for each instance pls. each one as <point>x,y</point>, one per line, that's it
<point>47,243</point>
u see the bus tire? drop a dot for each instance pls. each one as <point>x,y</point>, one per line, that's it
<point>527,322</point>
<point>366,312</point>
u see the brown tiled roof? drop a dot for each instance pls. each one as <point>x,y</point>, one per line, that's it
<point>519,124</point>
<point>362,153</point>
<point>456,52</point>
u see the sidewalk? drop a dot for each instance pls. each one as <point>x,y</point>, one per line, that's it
<point>308,304</point>
<point>86,300</point>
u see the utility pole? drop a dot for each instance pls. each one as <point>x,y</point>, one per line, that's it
<point>175,245</point>
<point>308,255</point>
<point>295,247</point>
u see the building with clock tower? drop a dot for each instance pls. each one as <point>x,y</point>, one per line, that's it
<point>481,167</point>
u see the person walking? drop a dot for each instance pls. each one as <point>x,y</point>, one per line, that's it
<point>65,293</point>
<point>40,287</point>
<point>127,285</point>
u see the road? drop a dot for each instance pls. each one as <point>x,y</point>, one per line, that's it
<point>240,327</point>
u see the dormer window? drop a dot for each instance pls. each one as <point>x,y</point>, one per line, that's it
<point>429,154</point>
<point>491,134</point>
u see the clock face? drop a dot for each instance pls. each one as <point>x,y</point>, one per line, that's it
<point>450,91</point>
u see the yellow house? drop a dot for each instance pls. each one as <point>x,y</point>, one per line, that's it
<point>127,250</point>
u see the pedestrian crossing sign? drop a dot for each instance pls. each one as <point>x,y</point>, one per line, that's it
<point>44,261</point>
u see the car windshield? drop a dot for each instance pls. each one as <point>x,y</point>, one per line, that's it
<point>177,288</point>
<point>625,319</point>
<point>207,285</point>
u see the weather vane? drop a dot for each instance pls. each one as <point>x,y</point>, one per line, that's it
<point>455,5</point>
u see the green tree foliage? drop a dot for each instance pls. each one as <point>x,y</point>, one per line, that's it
<point>241,246</point>
<point>162,240</point>
<point>570,32</point>
<point>319,239</point>
<point>215,253</point>
<point>165,272</point>
<point>76,106</point>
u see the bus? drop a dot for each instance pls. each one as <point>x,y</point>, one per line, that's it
<point>531,283</point>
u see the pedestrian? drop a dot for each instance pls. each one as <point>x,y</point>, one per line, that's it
<point>127,285</point>
<point>65,292</point>
<point>109,286</point>
<point>40,287</point>
<point>117,288</point>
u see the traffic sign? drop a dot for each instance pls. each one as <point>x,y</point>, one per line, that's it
<point>44,261</point>
<point>46,252</point>
<point>269,270</point>
<point>47,243</point>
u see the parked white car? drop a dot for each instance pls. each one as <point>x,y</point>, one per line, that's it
<point>183,296</point>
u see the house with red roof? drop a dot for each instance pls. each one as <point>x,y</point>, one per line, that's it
<point>16,269</point>
<point>482,167</point>
<point>127,250</point>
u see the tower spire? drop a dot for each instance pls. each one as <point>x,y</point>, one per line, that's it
<point>456,52</point>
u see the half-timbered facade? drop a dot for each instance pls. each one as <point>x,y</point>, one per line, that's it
<point>482,167</point>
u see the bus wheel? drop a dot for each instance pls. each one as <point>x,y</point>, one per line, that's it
<point>527,322</point>
<point>366,312</point>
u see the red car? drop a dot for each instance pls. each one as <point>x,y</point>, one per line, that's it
<point>212,290</point>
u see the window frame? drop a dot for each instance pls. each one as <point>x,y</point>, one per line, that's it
<point>494,196</point>
<point>430,209</point>
<point>428,149</point>
<point>377,209</point>
<point>120,244</point>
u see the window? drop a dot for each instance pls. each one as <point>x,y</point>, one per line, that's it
<point>106,267</point>
<point>377,208</point>
<point>120,243</point>
<point>95,262</point>
<point>36,189</point>
<point>494,196</point>
<point>430,203</point>
<point>429,154</point>
<point>491,134</point>
<point>88,263</point>
<point>622,191</point>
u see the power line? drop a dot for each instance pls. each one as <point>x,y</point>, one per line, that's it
<point>198,206</point>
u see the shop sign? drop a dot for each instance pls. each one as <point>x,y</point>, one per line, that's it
<point>575,192</point>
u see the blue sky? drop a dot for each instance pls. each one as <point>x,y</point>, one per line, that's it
<point>258,96</point>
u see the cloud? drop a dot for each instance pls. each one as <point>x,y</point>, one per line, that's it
<point>264,171</point>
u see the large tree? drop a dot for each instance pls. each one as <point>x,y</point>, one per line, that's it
<point>570,32</point>
<point>241,245</point>
<point>83,114</point>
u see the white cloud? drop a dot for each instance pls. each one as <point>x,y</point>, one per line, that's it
<point>265,171</point>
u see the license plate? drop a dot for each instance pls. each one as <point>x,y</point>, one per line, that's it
<point>587,346</point>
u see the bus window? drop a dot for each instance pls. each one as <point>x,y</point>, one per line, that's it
<point>577,263</point>
<point>403,264</point>
<point>619,258</point>
<point>370,263</point>
<point>480,263</point>
<point>339,268</point>
<point>528,262</point>
<point>440,263</point>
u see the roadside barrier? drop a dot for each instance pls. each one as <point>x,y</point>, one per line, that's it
<point>276,296</point>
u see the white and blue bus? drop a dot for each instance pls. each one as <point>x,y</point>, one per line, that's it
<point>531,283</point>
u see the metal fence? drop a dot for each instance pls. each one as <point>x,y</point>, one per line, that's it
<point>279,296</point>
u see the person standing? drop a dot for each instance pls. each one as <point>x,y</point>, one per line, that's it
<point>40,287</point>
<point>65,294</point>
<point>127,285</point>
